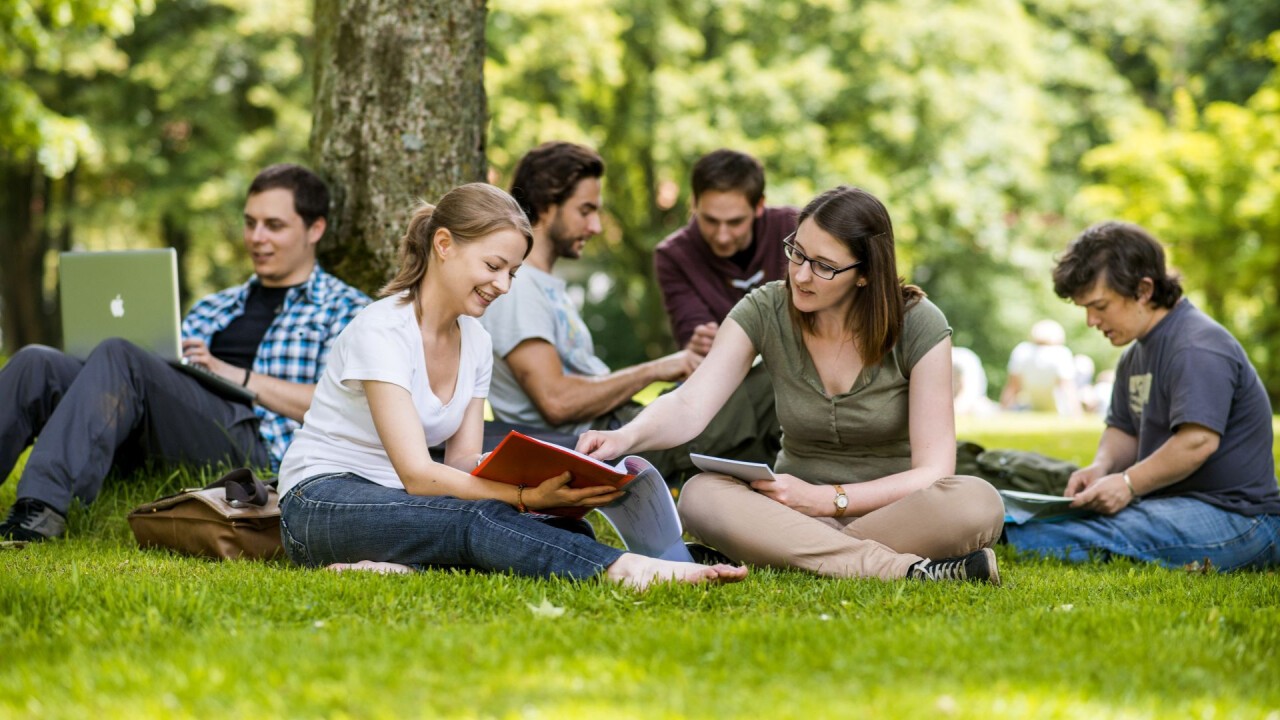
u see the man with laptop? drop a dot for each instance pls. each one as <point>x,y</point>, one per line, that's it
<point>121,404</point>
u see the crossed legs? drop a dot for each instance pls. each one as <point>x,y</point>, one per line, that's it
<point>955,516</point>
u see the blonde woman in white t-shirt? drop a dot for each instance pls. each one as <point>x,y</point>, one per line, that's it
<point>359,487</point>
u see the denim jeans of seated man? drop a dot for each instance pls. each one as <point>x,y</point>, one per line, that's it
<point>1172,531</point>
<point>342,518</point>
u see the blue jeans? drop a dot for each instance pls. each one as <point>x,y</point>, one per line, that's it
<point>342,517</point>
<point>1171,531</point>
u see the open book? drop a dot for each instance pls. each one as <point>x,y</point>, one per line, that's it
<point>645,517</point>
<point>1021,507</point>
<point>523,460</point>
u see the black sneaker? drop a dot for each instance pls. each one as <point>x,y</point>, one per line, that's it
<point>977,566</point>
<point>704,555</point>
<point>32,520</point>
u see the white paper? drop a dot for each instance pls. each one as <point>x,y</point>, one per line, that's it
<point>745,471</point>
<point>645,518</point>
<point>1019,507</point>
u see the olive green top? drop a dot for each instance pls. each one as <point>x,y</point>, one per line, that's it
<point>852,437</point>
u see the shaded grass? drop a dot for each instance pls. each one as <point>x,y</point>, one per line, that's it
<point>93,627</point>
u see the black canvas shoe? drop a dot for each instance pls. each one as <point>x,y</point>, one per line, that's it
<point>704,555</point>
<point>32,520</point>
<point>977,566</point>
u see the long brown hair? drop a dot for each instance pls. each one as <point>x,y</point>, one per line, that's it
<point>860,221</point>
<point>469,212</point>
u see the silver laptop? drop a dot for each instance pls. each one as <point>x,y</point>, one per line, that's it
<point>130,294</point>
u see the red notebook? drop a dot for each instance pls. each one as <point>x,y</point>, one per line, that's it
<point>522,460</point>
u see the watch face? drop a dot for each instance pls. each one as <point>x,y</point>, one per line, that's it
<point>842,501</point>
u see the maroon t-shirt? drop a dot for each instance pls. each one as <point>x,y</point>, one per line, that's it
<point>698,287</point>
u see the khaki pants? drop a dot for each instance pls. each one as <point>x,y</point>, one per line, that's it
<point>954,516</point>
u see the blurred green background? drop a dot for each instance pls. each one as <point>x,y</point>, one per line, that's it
<point>994,130</point>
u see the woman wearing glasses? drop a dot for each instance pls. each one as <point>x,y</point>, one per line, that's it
<point>861,367</point>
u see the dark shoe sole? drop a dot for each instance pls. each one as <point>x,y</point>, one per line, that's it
<point>704,555</point>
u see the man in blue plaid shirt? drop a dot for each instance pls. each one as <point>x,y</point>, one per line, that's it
<point>124,405</point>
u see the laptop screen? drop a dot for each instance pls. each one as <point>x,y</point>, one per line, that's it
<point>130,294</point>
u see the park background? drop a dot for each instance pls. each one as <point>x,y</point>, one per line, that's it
<point>994,130</point>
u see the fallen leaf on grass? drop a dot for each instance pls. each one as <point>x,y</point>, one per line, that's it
<point>1205,568</point>
<point>545,610</point>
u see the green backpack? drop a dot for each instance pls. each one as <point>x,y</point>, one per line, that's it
<point>1014,469</point>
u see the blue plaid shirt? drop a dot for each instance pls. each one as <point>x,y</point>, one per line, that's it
<point>295,346</point>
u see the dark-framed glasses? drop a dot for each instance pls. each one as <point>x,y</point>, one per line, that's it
<point>819,268</point>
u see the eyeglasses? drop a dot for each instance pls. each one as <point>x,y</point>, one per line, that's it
<point>819,268</point>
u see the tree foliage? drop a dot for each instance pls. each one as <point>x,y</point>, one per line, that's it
<point>202,93</point>
<point>993,129</point>
<point>42,41</point>
<point>969,120</point>
<point>46,48</point>
<point>1207,182</point>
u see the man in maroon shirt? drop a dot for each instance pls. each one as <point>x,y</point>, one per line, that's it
<point>732,245</point>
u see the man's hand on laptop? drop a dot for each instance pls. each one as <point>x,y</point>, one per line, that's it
<point>195,352</point>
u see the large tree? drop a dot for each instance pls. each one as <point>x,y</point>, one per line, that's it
<point>399,114</point>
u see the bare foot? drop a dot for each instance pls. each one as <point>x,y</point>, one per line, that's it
<point>639,572</point>
<point>385,568</point>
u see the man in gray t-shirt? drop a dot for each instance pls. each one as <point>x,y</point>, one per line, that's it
<point>546,374</point>
<point>1184,472</point>
<point>538,309</point>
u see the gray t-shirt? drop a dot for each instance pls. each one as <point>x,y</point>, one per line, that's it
<point>1189,369</point>
<point>536,307</point>
<point>859,435</point>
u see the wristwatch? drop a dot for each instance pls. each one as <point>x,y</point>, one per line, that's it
<point>841,501</point>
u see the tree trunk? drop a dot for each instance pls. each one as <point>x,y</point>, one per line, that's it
<point>399,116</point>
<point>175,234</point>
<point>24,318</point>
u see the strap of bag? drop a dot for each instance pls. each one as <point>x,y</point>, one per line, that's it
<point>242,488</point>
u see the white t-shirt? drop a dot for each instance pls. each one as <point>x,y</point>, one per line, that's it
<point>1042,368</point>
<point>382,343</point>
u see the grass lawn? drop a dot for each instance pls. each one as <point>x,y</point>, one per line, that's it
<point>93,627</point>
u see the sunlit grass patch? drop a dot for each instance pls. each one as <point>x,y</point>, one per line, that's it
<point>91,626</point>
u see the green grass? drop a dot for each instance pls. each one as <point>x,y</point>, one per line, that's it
<point>93,627</point>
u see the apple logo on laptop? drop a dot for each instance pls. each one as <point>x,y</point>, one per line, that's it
<point>117,306</point>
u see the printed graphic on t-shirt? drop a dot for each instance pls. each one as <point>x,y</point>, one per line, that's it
<point>573,339</point>
<point>1139,393</point>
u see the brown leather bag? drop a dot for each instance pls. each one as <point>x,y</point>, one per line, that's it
<point>237,517</point>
